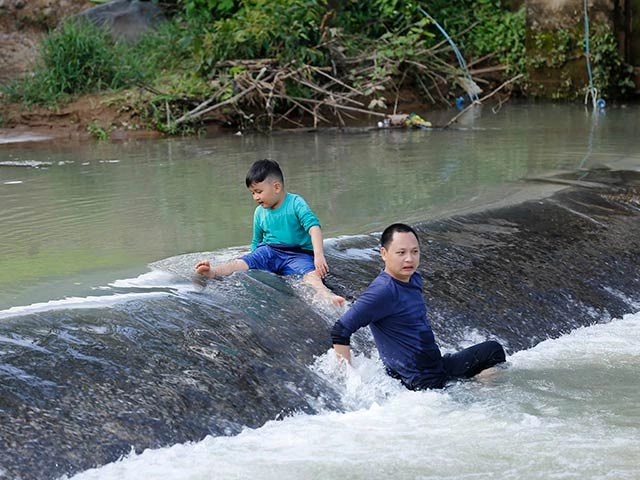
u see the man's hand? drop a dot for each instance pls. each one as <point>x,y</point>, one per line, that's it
<point>343,352</point>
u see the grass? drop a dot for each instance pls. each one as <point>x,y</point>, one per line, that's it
<point>76,58</point>
<point>79,58</point>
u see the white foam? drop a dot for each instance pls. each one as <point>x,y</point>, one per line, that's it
<point>619,338</point>
<point>496,429</point>
<point>25,163</point>
<point>96,301</point>
<point>152,279</point>
<point>22,138</point>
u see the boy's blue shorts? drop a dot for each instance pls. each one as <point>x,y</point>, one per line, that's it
<point>282,261</point>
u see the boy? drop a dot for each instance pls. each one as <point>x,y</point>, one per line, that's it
<point>287,238</point>
<point>395,310</point>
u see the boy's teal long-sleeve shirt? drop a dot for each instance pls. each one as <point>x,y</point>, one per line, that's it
<point>288,224</point>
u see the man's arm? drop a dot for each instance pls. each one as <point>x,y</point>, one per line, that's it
<point>372,304</point>
<point>341,337</point>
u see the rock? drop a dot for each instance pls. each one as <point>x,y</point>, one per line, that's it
<point>126,20</point>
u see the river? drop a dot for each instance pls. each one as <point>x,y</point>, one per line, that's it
<point>118,366</point>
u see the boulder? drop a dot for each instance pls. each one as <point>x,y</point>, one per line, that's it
<point>126,20</point>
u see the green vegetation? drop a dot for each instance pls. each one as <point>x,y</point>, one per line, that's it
<point>611,76</point>
<point>257,61</point>
<point>78,58</point>
<point>499,35</point>
<point>374,49</point>
<point>255,33</point>
<point>561,55</point>
<point>97,131</point>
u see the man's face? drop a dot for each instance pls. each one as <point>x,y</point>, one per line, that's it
<point>267,193</point>
<point>402,257</point>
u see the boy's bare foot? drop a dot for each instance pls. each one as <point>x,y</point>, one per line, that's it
<point>337,300</point>
<point>331,298</point>
<point>203,268</point>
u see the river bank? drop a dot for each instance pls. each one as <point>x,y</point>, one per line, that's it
<point>23,24</point>
<point>73,121</point>
<point>149,110</point>
<point>135,112</point>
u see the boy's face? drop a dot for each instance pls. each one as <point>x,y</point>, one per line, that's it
<point>268,193</point>
<point>402,256</point>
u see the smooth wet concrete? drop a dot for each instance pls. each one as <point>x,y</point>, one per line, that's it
<point>96,383</point>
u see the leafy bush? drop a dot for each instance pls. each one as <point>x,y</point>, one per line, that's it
<point>611,75</point>
<point>206,11</point>
<point>164,49</point>
<point>259,30</point>
<point>500,32</point>
<point>377,17</point>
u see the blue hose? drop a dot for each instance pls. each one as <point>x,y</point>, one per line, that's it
<point>472,95</point>
<point>592,90</point>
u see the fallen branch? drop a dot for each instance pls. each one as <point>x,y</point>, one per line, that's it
<point>332,105</point>
<point>199,111</point>
<point>229,101</point>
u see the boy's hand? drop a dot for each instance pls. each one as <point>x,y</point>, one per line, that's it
<point>321,265</point>
<point>203,268</point>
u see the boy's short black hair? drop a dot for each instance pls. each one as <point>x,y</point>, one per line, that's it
<point>261,170</point>
<point>387,235</point>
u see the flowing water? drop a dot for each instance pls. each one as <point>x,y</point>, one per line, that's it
<point>567,408</point>
<point>77,216</point>
<point>100,322</point>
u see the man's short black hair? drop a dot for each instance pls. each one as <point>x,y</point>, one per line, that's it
<point>261,170</point>
<point>387,235</point>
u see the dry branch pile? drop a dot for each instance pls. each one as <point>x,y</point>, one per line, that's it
<point>263,94</point>
<point>288,95</point>
<point>263,86</point>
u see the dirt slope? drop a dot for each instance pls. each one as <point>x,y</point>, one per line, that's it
<point>23,23</point>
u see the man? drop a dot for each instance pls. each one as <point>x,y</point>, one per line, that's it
<point>395,311</point>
